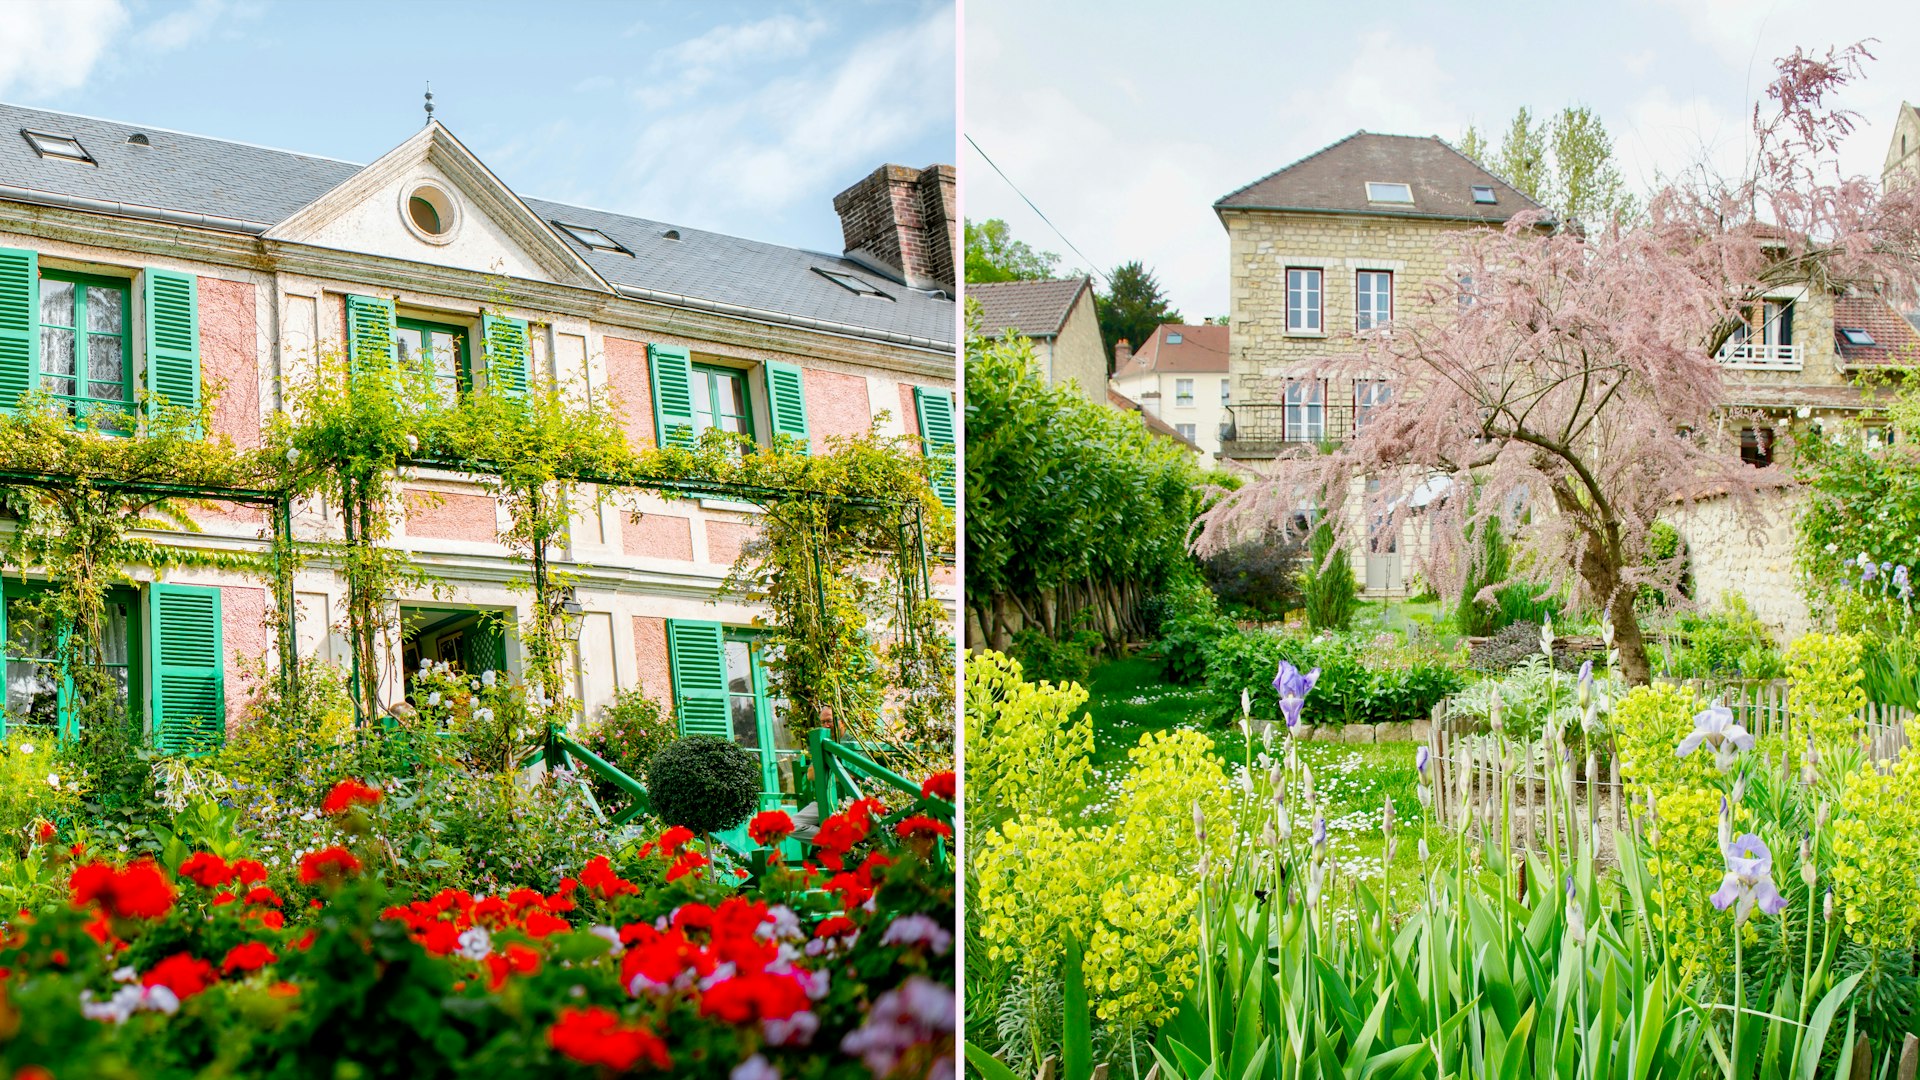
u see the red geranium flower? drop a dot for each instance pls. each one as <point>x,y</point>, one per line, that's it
<point>347,794</point>
<point>921,827</point>
<point>248,872</point>
<point>839,833</point>
<point>938,786</point>
<point>515,958</point>
<point>251,956</point>
<point>769,827</point>
<point>595,1036</point>
<point>689,862</point>
<point>673,838</point>
<point>182,973</point>
<point>328,864</point>
<point>599,878</point>
<point>750,997</point>
<point>260,894</point>
<point>137,891</point>
<point>539,924</point>
<point>837,926</point>
<point>43,832</point>
<point>206,870</point>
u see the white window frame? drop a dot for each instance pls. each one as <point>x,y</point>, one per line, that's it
<point>1368,298</point>
<point>1317,325</point>
<point>1188,432</point>
<point>1226,391</point>
<point>1368,395</point>
<point>1183,392</point>
<point>1305,416</point>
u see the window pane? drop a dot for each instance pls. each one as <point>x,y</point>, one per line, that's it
<point>113,638</point>
<point>702,395</point>
<point>746,722</point>
<point>105,364</point>
<point>726,394</point>
<point>739,668</point>
<point>33,693</point>
<point>446,354</point>
<point>409,343</point>
<point>104,309</point>
<point>56,303</point>
<point>56,358</point>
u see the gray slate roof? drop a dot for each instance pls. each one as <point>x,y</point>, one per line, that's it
<point>1034,309</point>
<point>195,175</point>
<point>1334,180</point>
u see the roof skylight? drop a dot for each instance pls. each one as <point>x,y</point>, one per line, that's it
<point>1484,193</point>
<point>1174,338</point>
<point>1389,193</point>
<point>56,146</point>
<point>852,284</point>
<point>592,238</point>
<point>1857,336</point>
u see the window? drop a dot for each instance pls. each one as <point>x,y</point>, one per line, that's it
<point>1183,391</point>
<point>720,400</point>
<point>1368,395</point>
<point>592,238</point>
<point>1756,446</point>
<point>57,146</point>
<point>1373,299</point>
<point>1303,301</point>
<point>1388,193</point>
<point>1777,327</point>
<point>1465,296</point>
<point>757,719</point>
<point>1878,435</point>
<point>1484,193</point>
<point>1226,391</point>
<point>1174,338</point>
<point>1304,419</point>
<point>37,699</point>
<point>855,285</point>
<point>431,214</point>
<point>85,345</point>
<point>1856,336</point>
<point>436,348</point>
<point>1187,431</point>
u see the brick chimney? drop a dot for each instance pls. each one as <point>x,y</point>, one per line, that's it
<point>1122,354</point>
<point>901,221</point>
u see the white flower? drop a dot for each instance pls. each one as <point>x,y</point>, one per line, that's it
<point>26,748</point>
<point>475,943</point>
<point>53,781</point>
<point>488,678</point>
<point>413,443</point>
<point>433,700</point>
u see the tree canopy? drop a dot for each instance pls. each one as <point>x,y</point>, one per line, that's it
<point>1564,162</point>
<point>994,255</point>
<point>1132,307</point>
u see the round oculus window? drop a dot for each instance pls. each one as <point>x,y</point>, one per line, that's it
<point>431,213</point>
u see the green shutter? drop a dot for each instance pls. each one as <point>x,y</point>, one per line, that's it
<point>509,360</point>
<point>787,400</point>
<point>19,324</point>
<point>173,337</point>
<point>4,653</point>
<point>935,409</point>
<point>672,376</point>
<point>699,658</point>
<point>189,668</point>
<point>369,332</point>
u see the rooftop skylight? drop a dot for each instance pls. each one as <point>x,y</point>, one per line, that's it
<point>1857,336</point>
<point>1388,193</point>
<point>852,284</point>
<point>1174,338</point>
<point>56,146</point>
<point>1484,193</point>
<point>592,238</point>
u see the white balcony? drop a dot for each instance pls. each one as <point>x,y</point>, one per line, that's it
<point>1759,356</point>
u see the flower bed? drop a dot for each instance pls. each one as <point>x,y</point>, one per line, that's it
<point>666,957</point>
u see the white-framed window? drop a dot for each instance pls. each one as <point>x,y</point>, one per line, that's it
<point>1373,299</point>
<point>1465,295</point>
<point>1304,297</point>
<point>1305,417</point>
<point>1186,431</point>
<point>1368,395</point>
<point>1378,191</point>
<point>1226,391</point>
<point>1183,391</point>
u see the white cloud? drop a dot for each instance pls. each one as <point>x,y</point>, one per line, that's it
<point>181,26</point>
<point>52,48</point>
<point>1390,86</point>
<point>698,62</point>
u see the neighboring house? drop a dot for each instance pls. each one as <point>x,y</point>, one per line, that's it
<point>1903,149</point>
<point>1057,315</point>
<point>1325,250</point>
<point>1181,374</point>
<point>1156,425</point>
<point>236,264</point>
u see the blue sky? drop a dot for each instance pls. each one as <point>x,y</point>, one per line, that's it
<point>744,118</point>
<point>1125,119</point>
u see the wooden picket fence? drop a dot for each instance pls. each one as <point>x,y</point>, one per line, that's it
<point>1468,769</point>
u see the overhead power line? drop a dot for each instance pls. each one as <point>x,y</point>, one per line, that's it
<point>1043,217</point>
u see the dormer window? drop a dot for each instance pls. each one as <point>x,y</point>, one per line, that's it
<point>65,147</point>
<point>1484,193</point>
<point>1389,193</point>
<point>593,239</point>
<point>852,284</point>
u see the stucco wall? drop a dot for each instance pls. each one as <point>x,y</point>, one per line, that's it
<point>1078,356</point>
<point>627,375</point>
<point>837,404</point>
<point>657,536</point>
<point>443,515</point>
<point>1728,556</point>
<point>230,355</point>
<point>725,539</point>
<point>650,658</point>
<point>247,638</point>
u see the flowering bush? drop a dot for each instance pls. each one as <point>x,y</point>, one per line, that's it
<point>659,958</point>
<point>630,730</point>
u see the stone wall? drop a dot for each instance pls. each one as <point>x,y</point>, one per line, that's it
<point>1078,355</point>
<point>1727,555</point>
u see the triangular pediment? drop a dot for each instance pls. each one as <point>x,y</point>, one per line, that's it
<point>477,222</point>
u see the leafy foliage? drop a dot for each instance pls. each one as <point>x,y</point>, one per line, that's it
<point>630,730</point>
<point>994,255</point>
<point>1731,643</point>
<point>1364,678</point>
<point>1327,588</point>
<point>1131,308</point>
<point>704,782</point>
<point>1260,574</point>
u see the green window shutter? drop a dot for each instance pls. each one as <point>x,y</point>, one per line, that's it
<point>173,337</point>
<point>787,400</point>
<point>699,658</point>
<point>509,360</point>
<point>672,377</point>
<point>189,668</point>
<point>935,410</point>
<point>19,324</point>
<point>369,332</point>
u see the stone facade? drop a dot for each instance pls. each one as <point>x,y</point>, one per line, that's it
<point>1076,355</point>
<point>1729,557</point>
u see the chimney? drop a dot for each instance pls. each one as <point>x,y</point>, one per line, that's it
<point>901,222</point>
<point>1122,354</point>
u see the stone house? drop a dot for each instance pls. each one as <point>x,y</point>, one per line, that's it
<point>1321,253</point>
<point>1057,315</point>
<point>1181,374</point>
<point>225,268</point>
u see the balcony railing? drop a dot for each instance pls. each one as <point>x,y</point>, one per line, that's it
<point>1258,429</point>
<point>1760,356</point>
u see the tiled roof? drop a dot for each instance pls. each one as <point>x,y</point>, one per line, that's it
<point>1034,309</point>
<point>1334,180</point>
<point>239,187</point>
<point>1201,348</point>
<point>1895,341</point>
<point>1796,395</point>
<point>1154,424</point>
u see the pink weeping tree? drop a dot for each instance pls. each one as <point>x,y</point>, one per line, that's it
<point>1566,384</point>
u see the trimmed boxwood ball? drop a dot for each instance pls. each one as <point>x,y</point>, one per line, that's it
<point>704,782</point>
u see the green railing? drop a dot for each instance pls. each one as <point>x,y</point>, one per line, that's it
<point>834,765</point>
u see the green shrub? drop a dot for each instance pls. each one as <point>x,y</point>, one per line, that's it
<point>1364,677</point>
<point>1728,644</point>
<point>1260,575</point>
<point>1328,592</point>
<point>1187,620</point>
<point>632,728</point>
<point>705,783</point>
<point>1475,617</point>
<point>1060,660</point>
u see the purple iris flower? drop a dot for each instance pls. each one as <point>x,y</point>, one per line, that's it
<point>1749,880</point>
<point>1714,728</point>
<point>1420,757</point>
<point>1867,567</point>
<point>1293,688</point>
<point>1320,830</point>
